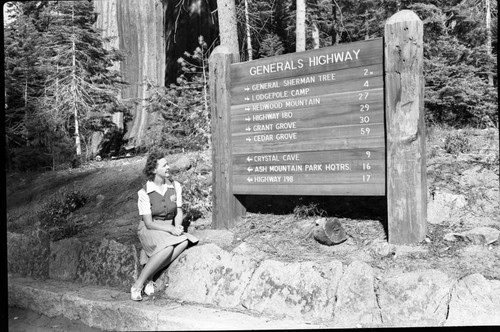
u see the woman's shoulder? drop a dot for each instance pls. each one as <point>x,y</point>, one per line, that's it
<point>143,188</point>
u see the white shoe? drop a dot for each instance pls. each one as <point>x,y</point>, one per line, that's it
<point>135,294</point>
<point>150,288</point>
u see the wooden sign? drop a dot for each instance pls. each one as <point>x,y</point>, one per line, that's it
<point>310,123</point>
<point>341,120</point>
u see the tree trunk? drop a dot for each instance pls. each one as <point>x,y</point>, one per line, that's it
<point>334,31</point>
<point>107,21</point>
<point>140,30</point>
<point>300,43</point>
<point>73,91</point>
<point>249,37</point>
<point>315,35</point>
<point>488,36</point>
<point>228,27</point>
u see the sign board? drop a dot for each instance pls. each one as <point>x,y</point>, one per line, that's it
<point>310,123</point>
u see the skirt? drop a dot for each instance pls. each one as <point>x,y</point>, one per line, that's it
<point>154,241</point>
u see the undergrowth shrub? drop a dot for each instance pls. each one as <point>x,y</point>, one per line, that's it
<point>196,187</point>
<point>310,210</point>
<point>457,142</point>
<point>183,108</point>
<point>54,214</point>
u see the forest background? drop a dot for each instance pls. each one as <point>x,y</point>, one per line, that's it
<point>63,87</point>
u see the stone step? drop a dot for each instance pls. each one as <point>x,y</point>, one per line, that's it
<point>111,309</point>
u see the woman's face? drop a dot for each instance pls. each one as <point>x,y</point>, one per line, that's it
<point>162,169</point>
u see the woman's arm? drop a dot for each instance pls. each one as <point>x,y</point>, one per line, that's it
<point>150,224</point>
<point>180,214</point>
<point>178,218</point>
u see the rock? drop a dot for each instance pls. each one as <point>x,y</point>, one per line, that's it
<point>205,180</point>
<point>300,289</point>
<point>383,248</point>
<point>108,263</point>
<point>249,250</point>
<point>64,258</point>
<point>415,298</point>
<point>444,206</point>
<point>28,254</point>
<point>183,163</point>
<point>329,232</point>
<point>37,299</point>
<point>221,237</point>
<point>204,166</point>
<point>451,237</point>
<point>207,274</point>
<point>19,254</point>
<point>356,300</point>
<point>482,235</point>
<point>475,301</point>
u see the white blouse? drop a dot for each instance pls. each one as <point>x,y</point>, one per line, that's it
<point>143,202</point>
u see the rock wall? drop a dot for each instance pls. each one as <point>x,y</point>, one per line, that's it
<point>345,296</point>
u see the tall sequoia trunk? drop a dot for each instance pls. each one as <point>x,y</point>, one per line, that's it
<point>300,43</point>
<point>140,29</point>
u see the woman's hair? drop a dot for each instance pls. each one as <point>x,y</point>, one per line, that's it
<point>151,164</point>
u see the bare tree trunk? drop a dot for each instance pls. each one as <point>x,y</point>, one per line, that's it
<point>300,43</point>
<point>488,36</point>
<point>228,27</point>
<point>249,37</point>
<point>73,90</point>
<point>315,35</point>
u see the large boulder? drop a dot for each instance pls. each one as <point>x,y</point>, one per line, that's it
<point>482,235</point>
<point>415,298</point>
<point>108,263</point>
<point>64,258</point>
<point>475,301</point>
<point>221,237</point>
<point>299,289</point>
<point>208,274</point>
<point>356,300</point>
<point>28,254</point>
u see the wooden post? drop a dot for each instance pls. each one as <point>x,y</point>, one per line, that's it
<point>405,127</point>
<point>225,207</point>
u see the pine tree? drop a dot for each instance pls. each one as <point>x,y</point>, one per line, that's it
<point>22,77</point>
<point>80,91</point>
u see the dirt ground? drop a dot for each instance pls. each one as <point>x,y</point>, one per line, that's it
<point>458,162</point>
<point>23,320</point>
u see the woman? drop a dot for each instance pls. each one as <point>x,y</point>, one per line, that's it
<point>160,229</point>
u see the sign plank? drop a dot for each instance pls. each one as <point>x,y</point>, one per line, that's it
<point>310,122</point>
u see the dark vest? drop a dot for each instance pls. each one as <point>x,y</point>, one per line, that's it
<point>163,207</point>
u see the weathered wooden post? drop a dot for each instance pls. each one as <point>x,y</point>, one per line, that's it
<point>405,125</point>
<point>225,207</point>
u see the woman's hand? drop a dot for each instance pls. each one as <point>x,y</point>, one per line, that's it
<point>176,230</point>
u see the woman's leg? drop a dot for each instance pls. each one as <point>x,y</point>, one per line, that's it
<point>154,262</point>
<point>178,249</point>
<point>159,261</point>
